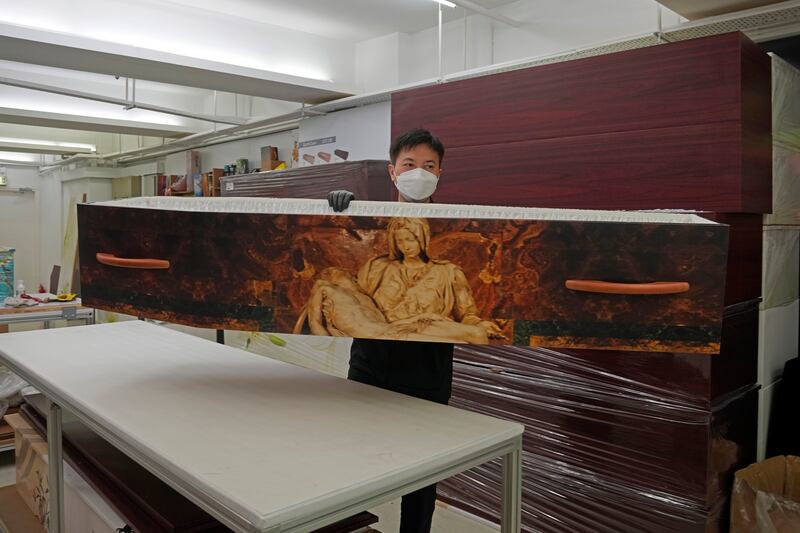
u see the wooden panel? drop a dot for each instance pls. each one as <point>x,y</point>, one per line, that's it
<point>743,281</point>
<point>677,126</point>
<point>14,515</point>
<point>31,467</point>
<point>650,169</point>
<point>368,180</point>
<point>693,82</point>
<point>510,273</point>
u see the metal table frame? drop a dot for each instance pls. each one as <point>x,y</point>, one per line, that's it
<point>510,452</point>
<point>47,314</point>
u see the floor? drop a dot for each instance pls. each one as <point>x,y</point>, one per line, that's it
<point>445,519</point>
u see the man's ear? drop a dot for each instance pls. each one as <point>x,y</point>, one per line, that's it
<point>390,169</point>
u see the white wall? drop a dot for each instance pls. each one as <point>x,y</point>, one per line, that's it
<point>363,131</point>
<point>96,190</point>
<point>378,63</point>
<point>553,26</point>
<point>549,27</point>
<point>50,227</point>
<point>219,155</point>
<point>19,223</point>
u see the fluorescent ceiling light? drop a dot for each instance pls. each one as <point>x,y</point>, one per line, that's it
<point>16,156</point>
<point>68,106</point>
<point>6,141</point>
<point>445,3</point>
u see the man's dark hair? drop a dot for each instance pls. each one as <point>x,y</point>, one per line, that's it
<point>413,138</point>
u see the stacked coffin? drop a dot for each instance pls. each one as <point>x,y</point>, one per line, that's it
<point>366,179</point>
<point>618,441</point>
<point>615,440</point>
<point>778,319</point>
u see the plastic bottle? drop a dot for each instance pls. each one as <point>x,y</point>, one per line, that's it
<point>20,290</point>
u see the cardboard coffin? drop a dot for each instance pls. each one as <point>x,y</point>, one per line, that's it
<point>442,273</point>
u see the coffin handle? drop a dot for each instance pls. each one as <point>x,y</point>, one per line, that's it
<point>126,262</point>
<point>608,287</point>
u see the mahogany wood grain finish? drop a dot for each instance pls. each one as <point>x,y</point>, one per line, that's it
<point>368,180</point>
<point>262,279</point>
<point>683,126</point>
<point>743,271</point>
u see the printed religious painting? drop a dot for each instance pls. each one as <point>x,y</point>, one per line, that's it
<point>413,272</point>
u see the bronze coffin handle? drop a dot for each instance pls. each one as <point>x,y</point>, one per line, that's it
<point>126,262</point>
<point>607,287</point>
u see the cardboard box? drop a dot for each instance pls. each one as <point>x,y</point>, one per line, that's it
<point>31,457</point>
<point>766,497</point>
<point>269,158</point>
<point>14,516</point>
<point>192,162</point>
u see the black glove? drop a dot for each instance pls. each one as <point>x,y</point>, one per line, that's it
<point>340,200</point>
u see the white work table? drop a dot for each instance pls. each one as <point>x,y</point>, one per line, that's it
<point>261,445</point>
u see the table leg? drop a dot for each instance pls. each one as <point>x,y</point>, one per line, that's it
<point>512,492</point>
<point>55,470</point>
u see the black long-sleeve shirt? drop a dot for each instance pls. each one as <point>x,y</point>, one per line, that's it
<point>420,369</point>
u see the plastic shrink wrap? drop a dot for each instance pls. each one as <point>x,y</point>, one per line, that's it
<point>613,441</point>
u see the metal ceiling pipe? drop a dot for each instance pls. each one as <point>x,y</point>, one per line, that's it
<point>256,128</point>
<point>147,157</point>
<point>126,103</point>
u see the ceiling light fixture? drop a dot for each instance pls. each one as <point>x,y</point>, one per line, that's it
<point>445,3</point>
<point>44,146</point>
<point>18,157</point>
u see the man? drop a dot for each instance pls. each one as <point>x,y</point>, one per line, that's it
<point>420,369</point>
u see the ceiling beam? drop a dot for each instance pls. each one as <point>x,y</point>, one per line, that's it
<point>77,122</point>
<point>39,47</point>
<point>127,104</point>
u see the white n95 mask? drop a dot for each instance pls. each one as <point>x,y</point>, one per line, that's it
<point>417,184</point>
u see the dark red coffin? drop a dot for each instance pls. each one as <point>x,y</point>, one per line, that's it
<point>685,125</point>
<point>368,180</point>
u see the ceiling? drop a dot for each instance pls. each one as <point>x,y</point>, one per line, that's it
<point>694,9</point>
<point>349,20</point>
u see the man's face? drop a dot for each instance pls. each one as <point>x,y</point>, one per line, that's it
<point>421,156</point>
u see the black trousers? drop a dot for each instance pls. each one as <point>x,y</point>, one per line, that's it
<point>416,508</point>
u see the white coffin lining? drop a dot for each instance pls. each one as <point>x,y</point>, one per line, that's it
<point>295,206</point>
